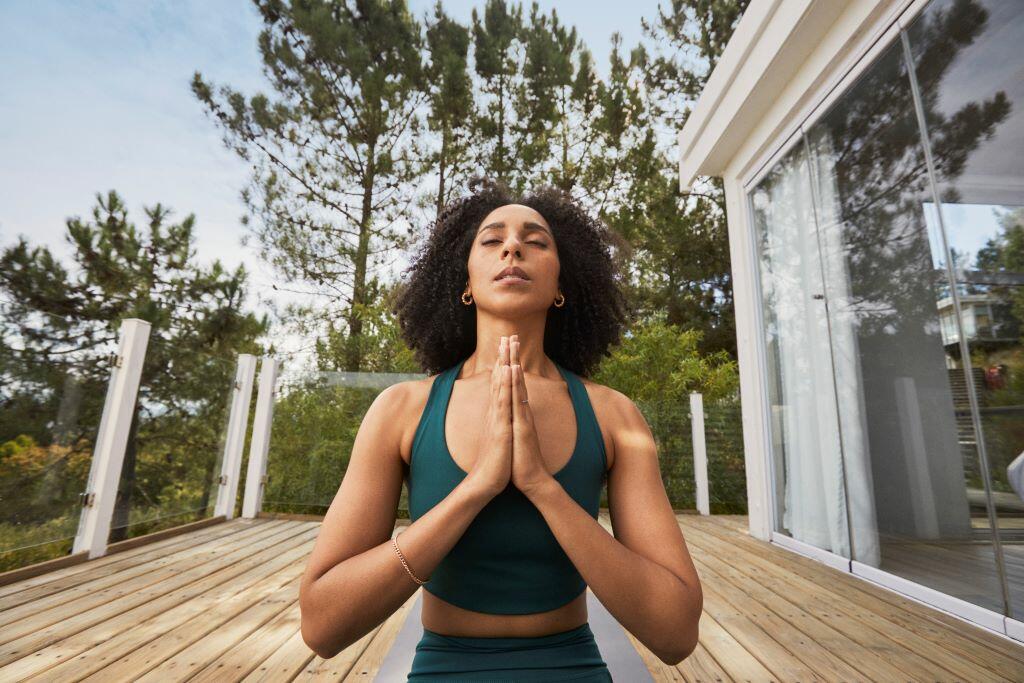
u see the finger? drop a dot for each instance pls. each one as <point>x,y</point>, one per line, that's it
<point>517,394</point>
<point>496,374</point>
<point>514,369</point>
<point>505,353</point>
<point>520,407</point>
<point>513,350</point>
<point>504,395</point>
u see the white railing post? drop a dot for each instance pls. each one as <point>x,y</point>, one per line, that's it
<point>700,452</point>
<point>108,454</point>
<point>231,468</point>
<point>255,475</point>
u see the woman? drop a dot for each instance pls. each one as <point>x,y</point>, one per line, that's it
<point>505,448</point>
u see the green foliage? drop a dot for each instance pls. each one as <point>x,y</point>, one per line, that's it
<point>58,329</point>
<point>315,424</point>
<point>657,366</point>
<point>338,149</point>
<point>659,361</point>
<point>316,420</point>
<point>333,148</point>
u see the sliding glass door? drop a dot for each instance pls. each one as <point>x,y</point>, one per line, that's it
<point>808,462</point>
<point>970,75</point>
<point>890,242</point>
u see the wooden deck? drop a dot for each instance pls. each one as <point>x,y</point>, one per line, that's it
<point>220,604</point>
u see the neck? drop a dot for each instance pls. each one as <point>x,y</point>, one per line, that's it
<point>490,329</point>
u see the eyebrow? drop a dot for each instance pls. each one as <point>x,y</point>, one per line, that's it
<point>528,225</point>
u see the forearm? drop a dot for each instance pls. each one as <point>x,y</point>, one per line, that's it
<point>356,595</point>
<point>650,601</point>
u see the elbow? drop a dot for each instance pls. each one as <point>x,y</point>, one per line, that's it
<point>312,643</point>
<point>678,655</point>
<point>316,638</point>
<point>684,646</point>
<point>311,635</point>
<point>319,645</point>
<point>683,649</point>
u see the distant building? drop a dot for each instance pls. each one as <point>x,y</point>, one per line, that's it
<point>872,153</point>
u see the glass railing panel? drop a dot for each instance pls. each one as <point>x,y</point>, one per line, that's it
<point>723,436</point>
<point>317,415</point>
<point>172,461</point>
<point>54,373</point>
<point>670,425</point>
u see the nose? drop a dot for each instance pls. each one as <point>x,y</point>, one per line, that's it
<point>513,246</point>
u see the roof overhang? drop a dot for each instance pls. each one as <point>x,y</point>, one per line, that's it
<point>770,44</point>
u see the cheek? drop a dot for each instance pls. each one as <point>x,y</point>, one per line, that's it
<point>477,267</point>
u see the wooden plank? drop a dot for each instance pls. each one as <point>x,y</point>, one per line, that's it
<point>731,655</point>
<point>924,620</point>
<point>701,667</point>
<point>284,663</point>
<point>191,648</point>
<point>45,567</point>
<point>93,609</point>
<point>54,608</point>
<point>39,586</point>
<point>145,539</point>
<point>61,590</point>
<point>907,606</point>
<point>909,624</point>
<point>128,631</point>
<point>833,654</point>
<point>238,662</point>
<point>901,647</point>
<point>746,631</point>
<point>205,626</point>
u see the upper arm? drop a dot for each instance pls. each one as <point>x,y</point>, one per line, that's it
<point>641,514</point>
<point>362,514</point>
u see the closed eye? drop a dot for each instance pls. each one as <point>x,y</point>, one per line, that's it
<point>539,244</point>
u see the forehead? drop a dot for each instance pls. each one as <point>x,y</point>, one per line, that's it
<point>513,215</point>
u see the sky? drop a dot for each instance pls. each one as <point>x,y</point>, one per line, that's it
<point>95,96</point>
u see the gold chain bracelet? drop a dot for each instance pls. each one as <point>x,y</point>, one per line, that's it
<point>394,542</point>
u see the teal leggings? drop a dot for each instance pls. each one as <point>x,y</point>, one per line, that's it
<point>565,656</point>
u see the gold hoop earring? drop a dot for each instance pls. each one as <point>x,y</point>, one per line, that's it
<point>463,297</point>
<point>562,303</point>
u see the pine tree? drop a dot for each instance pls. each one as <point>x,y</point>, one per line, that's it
<point>58,329</point>
<point>335,150</point>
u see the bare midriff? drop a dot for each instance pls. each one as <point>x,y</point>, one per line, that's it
<point>447,619</point>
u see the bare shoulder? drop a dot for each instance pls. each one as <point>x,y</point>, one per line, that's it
<point>615,413</point>
<point>405,402</point>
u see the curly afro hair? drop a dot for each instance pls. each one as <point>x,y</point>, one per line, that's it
<point>441,330</point>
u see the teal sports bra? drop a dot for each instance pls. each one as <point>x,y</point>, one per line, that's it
<point>508,561</point>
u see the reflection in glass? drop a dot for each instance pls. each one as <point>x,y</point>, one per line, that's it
<point>810,495</point>
<point>864,328</point>
<point>896,384</point>
<point>967,60</point>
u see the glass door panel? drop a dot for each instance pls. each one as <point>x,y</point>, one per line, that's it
<point>967,60</point>
<point>898,385</point>
<point>807,460</point>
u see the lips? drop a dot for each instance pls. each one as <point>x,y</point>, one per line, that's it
<point>515,271</point>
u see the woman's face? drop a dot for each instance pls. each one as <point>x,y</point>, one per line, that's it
<point>514,236</point>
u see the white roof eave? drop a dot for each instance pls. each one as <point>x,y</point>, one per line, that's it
<point>772,40</point>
